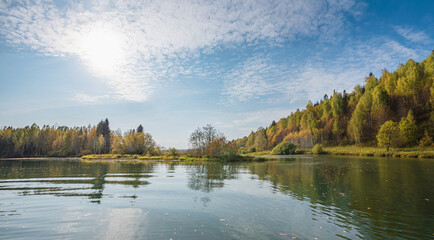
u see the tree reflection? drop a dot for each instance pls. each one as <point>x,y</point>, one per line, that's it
<point>72,178</point>
<point>209,176</point>
<point>375,193</point>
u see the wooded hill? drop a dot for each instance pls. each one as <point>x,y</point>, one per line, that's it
<point>405,96</point>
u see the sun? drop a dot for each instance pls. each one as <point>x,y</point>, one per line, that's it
<point>103,50</point>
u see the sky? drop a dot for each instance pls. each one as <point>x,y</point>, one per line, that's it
<point>173,66</point>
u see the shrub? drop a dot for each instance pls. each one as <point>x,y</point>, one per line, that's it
<point>242,150</point>
<point>252,149</point>
<point>284,148</point>
<point>318,149</point>
<point>173,152</point>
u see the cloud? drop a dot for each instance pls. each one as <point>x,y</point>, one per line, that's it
<point>260,79</point>
<point>137,46</point>
<point>353,64</point>
<point>85,98</point>
<point>254,78</point>
<point>412,35</point>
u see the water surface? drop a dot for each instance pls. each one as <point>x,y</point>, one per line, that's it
<point>324,197</point>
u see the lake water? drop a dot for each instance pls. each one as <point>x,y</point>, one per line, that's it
<point>324,197</point>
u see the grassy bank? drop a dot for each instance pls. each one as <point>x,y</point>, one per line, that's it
<point>415,152</point>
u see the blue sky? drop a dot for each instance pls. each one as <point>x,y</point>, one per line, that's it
<point>173,66</point>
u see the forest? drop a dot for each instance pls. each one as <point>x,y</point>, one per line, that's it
<point>395,110</point>
<point>77,141</point>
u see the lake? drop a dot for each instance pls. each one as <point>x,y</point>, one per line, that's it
<point>307,197</point>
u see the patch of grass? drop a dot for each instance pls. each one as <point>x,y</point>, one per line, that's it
<point>414,152</point>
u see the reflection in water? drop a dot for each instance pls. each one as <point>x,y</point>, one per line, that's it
<point>377,196</point>
<point>71,178</point>
<point>323,197</point>
<point>209,176</point>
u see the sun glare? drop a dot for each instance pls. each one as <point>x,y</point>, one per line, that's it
<point>103,50</point>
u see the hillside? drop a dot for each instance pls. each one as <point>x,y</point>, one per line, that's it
<point>405,96</point>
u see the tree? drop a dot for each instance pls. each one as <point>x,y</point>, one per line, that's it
<point>101,144</point>
<point>261,140</point>
<point>196,141</point>
<point>360,125</point>
<point>388,136</point>
<point>338,104</point>
<point>380,105</point>
<point>209,142</point>
<point>250,140</point>
<point>104,130</point>
<point>201,139</point>
<point>407,129</point>
<point>140,128</point>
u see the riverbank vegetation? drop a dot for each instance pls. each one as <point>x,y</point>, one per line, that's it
<point>420,152</point>
<point>207,142</point>
<point>391,114</point>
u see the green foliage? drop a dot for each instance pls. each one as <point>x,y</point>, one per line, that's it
<point>360,123</point>
<point>252,150</point>
<point>388,136</point>
<point>338,104</point>
<point>242,150</point>
<point>426,141</point>
<point>318,149</point>
<point>173,152</point>
<point>250,140</point>
<point>432,95</point>
<point>407,130</point>
<point>261,140</point>
<point>284,148</point>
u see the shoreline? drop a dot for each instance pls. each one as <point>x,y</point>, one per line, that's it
<point>353,150</point>
<point>421,153</point>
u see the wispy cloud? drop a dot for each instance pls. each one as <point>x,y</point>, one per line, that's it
<point>355,62</point>
<point>254,78</point>
<point>412,35</point>
<point>86,98</point>
<point>137,45</point>
<point>245,122</point>
<point>260,79</point>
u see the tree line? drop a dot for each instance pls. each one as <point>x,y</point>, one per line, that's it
<point>63,141</point>
<point>403,99</point>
